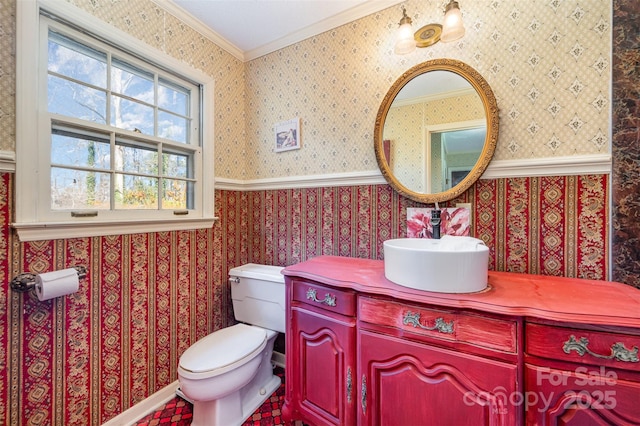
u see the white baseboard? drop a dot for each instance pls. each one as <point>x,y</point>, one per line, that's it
<point>144,407</point>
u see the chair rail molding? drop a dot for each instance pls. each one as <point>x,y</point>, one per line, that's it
<point>534,167</point>
<point>7,161</point>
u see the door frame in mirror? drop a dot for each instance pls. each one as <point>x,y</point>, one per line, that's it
<point>491,111</point>
<point>429,130</point>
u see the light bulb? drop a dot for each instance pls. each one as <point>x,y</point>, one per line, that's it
<point>405,43</point>
<point>453,27</point>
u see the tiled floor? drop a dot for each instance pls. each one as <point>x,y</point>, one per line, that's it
<point>178,412</point>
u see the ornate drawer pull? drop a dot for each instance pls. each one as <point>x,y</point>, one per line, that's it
<point>440,325</point>
<point>329,300</point>
<point>349,385</point>
<point>364,394</point>
<point>618,351</point>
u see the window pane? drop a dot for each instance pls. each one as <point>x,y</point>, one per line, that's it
<point>129,158</point>
<point>79,151</point>
<point>172,127</point>
<point>77,61</point>
<point>173,98</point>
<point>176,165</point>
<point>96,89</point>
<point>175,194</point>
<point>132,82</point>
<point>76,100</point>
<point>136,192</point>
<point>78,189</point>
<point>131,115</point>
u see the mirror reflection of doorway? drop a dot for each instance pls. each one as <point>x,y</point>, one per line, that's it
<point>454,149</point>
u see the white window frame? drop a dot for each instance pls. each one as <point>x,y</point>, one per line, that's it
<point>35,220</point>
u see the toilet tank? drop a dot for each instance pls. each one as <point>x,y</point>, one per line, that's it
<point>257,292</point>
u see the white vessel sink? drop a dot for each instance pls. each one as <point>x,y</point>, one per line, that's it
<point>448,265</point>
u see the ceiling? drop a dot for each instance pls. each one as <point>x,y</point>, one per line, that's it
<point>249,29</point>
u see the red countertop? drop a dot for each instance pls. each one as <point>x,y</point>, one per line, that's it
<point>546,297</point>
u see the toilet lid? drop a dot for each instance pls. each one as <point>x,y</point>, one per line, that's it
<point>222,348</point>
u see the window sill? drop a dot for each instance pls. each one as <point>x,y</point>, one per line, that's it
<point>64,230</point>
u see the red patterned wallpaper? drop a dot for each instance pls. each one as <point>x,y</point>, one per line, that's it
<point>85,358</point>
<point>538,225</point>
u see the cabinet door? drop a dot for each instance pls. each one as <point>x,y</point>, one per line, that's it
<point>411,384</point>
<point>587,396</point>
<point>325,368</point>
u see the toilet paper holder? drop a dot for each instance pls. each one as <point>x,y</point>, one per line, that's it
<point>27,281</point>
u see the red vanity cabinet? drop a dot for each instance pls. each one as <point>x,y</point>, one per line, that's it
<point>321,341</point>
<point>580,375</point>
<point>529,350</point>
<point>418,362</point>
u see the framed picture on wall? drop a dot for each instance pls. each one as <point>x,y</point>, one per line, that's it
<point>287,135</point>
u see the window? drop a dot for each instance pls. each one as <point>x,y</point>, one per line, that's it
<point>119,145</point>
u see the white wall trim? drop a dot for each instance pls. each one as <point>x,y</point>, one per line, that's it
<point>373,177</point>
<point>144,407</point>
<point>60,230</point>
<point>7,161</point>
<point>35,220</point>
<point>178,12</point>
<point>576,165</point>
<point>351,15</point>
<point>553,166</point>
<point>560,166</point>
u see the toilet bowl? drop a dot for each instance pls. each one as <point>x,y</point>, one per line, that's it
<point>229,374</point>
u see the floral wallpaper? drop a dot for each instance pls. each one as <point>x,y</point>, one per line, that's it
<point>7,76</point>
<point>546,61</point>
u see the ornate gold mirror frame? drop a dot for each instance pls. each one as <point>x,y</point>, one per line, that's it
<point>490,105</point>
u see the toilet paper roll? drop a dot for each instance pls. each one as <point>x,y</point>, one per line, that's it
<point>56,283</point>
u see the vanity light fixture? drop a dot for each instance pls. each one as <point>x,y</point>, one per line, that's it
<point>405,43</point>
<point>451,30</point>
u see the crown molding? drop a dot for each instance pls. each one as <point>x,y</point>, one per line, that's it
<point>357,12</point>
<point>353,14</point>
<point>175,10</point>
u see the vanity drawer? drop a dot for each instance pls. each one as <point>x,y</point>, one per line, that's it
<point>491,333</point>
<point>327,298</point>
<point>609,349</point>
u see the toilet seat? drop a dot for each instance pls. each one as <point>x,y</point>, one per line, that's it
<point>222,351</point>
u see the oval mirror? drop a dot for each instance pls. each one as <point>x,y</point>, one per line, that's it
<point>436,130</point>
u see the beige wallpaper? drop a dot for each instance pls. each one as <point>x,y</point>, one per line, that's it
<point>406,147</point>
<point>547,62</point>
<point>7,75</point>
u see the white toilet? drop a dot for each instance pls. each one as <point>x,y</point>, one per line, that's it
<point>228,374</point>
